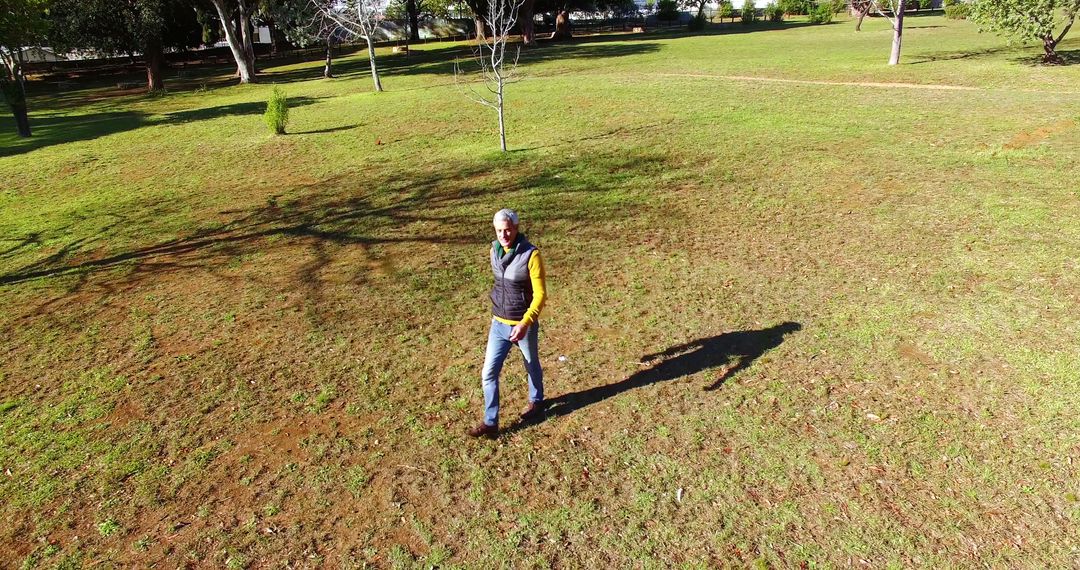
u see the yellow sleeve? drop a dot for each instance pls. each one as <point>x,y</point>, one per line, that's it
<point>539,287</point>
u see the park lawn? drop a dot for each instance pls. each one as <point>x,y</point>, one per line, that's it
<point>230,349</point>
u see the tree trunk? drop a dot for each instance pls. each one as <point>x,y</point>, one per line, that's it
<point>244,68</point>
<point>414,19</point>
<point>22,121</point>
<point>481,33</point>
<point>273,38</point>
<point>528,27</point>
<point>562,26</point>
<point>154,56</point>
<point>327,72</point>
<point>246,33</point>
<point>371,60</point>
<point>858,23</point>
<point>502,122</point>
<point>1050,54</point>
<point>898,33</point>
<point>13,90</point>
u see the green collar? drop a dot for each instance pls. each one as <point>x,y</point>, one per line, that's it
<point>500,251</point>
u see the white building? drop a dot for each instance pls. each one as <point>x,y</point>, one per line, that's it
<point>40,54</point>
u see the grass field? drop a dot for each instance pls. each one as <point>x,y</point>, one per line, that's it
<point>815,311</point>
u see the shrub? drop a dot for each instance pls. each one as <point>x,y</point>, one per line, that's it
<point>796,7</point>
<point>774,13</point>
<point>725,10</point>
<point>926,4</point>
<point>957,11</point>
<point>277,111</point>
<point>822,14</point>
<point>667,10</point>
<point>697,23</point>
<point>748,14</point>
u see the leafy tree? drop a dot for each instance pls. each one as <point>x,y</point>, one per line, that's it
<point>1047,21</point>
<point>22,23</point>
<point>796,7</point>
<point>748,14</point>
<point>306,23</point>
<point>416,10</point>
<point>208,23</point>
<point>725,10</point>
<point>698,23</point>
<point>126,27</point>
<point>774,13</point>
<point>822,13</point>
<point>667,10</point>
<point>957,10</point>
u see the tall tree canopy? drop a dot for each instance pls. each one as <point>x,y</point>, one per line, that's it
<point>1046,21</point>
<point>22,23</point>
<point>126,27</point>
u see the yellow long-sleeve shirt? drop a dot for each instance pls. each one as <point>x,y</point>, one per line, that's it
<point>539,287</point>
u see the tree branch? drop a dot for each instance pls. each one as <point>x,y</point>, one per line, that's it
<point>1072,18</point>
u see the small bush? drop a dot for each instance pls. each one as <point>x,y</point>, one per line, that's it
<point>796,7</point>
<point>725,10</point>
<point>697,23</point>
<point>822,14</point>
<point>277,111</point>
<point>774,13</point>
<point>667,10</point>
<point>957,11</point>
<point>926,4</point>
<point>748,14</point>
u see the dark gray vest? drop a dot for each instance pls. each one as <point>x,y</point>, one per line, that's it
<point>513,292</point>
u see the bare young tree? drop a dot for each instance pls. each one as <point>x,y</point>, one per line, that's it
<point>490,55</point>
<point>305,23</point>
<point>897,21</point>
<point>357,18</point>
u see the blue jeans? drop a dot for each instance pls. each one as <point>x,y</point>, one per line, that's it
<point>498,346</point>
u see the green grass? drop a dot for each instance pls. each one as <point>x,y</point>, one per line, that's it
<point>231,349</point>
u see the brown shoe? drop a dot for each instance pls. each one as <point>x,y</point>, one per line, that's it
<point>483,430</point>
<point>533,411</point>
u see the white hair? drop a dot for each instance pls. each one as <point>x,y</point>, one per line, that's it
<point>506,214</point>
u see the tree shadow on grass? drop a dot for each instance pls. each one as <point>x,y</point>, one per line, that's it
<point>1022,55</point>
<point>326,130</point>
<point>125,246</point>
<point>49,130</point>
<point>57,129</point>
<point>1068,57</point>
<point>736,350</point>
<point>955,55</point>
<point>712,29</point>
<point>443,61</point>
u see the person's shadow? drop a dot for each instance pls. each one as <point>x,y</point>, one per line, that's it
<point>736,350</point>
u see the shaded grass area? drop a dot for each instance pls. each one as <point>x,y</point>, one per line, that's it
<point>797,328</point>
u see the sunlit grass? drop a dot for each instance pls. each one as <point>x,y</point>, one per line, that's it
<point>232,349</point>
